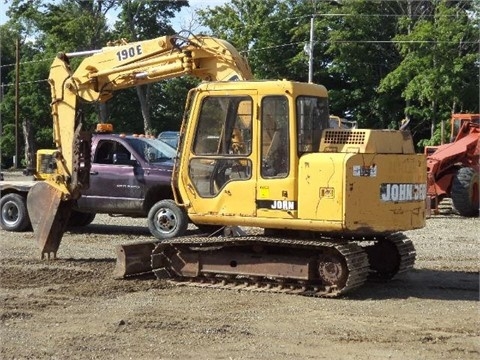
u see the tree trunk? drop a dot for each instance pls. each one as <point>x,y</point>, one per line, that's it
<point>30,157</point>
<point>434,118</point>
<point>143,92</point>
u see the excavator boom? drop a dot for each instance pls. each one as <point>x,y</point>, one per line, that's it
<point>119,65</point>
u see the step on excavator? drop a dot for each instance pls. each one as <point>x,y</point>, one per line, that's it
<point>283,202</point>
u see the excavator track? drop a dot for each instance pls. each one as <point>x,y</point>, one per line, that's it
<point>263,264</point>
<point>390,256</point>
<point>406,252</point>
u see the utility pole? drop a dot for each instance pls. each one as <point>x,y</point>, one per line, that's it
<point>310,51</point>
<point>312,41</point>
<point>1,100</point>
<point>17,98</point>
<point>1,124</point>
<point>409,30</point>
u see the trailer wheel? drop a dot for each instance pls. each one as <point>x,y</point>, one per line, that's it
<point>167,220</point>
<point>464,192</point>
<point>14,214</point>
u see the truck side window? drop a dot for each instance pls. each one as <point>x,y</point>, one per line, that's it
<point>111,152</point>
<point>275,139</point>
<point>104,153</point>
<point>120,156</point>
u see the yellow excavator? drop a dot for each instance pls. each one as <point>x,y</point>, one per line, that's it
<point>283,202</point>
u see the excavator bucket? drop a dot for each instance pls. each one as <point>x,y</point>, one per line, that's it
<point>49,216</point>
<point>133,259</point>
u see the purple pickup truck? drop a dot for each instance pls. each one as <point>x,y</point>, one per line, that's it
<point>129,175</point>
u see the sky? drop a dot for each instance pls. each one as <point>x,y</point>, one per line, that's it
<point>181,20</point>
<point>185,16</point>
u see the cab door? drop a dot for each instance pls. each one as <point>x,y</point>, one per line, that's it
<point>276,195</point>
<point>221,177</point>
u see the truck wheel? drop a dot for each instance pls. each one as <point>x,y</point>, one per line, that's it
<point>464,192</point>
<point>167,220</point>
<point>79,219</point>
<point>14,214</point>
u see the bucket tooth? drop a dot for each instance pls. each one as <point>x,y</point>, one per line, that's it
<point>49,216</point>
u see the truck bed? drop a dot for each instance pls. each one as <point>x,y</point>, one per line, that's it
<point>18,185</point>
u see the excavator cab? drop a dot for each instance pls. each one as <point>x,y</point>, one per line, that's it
<point>241,146</point>
<point>263,154</point>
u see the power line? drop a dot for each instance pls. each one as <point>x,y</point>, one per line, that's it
<point>320,15</point>
<point>27,62</point>
<point>301,43</point>
<point>273,47</point>
<point>363,42</point>
<point>24,83</point>
<point>382,15</point>
<point>400,42</point>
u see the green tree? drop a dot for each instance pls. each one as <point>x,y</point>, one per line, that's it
<point>44,28</point>
<point>351,52</point>
<point>271,33</point>
<point>380,60</point>
<point>142,20</point>
<point>171,103</point>
<point>33,100</point>
<point>362,54</point>
<point>438,73</point>
<point>7,67</point>
<point>48,27</point>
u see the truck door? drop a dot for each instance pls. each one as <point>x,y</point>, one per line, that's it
<point>114,185</point>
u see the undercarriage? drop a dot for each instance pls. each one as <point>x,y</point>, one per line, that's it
<point>325,267</point>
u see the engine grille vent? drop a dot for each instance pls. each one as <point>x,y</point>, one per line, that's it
<point>345,137</point>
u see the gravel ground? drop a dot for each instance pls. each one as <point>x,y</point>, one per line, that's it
<point>73,308</point>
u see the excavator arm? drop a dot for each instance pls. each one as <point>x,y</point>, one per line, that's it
<point>118,66</point>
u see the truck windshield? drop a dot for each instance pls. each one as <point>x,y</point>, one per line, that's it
<point>152,150</point>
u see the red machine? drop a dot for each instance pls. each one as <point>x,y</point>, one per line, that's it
<point>453,168</point>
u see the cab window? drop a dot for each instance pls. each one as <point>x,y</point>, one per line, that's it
<point>222,144</point>
<point>225,126</point>
<point>312,118</point>
<point>275,139</point>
